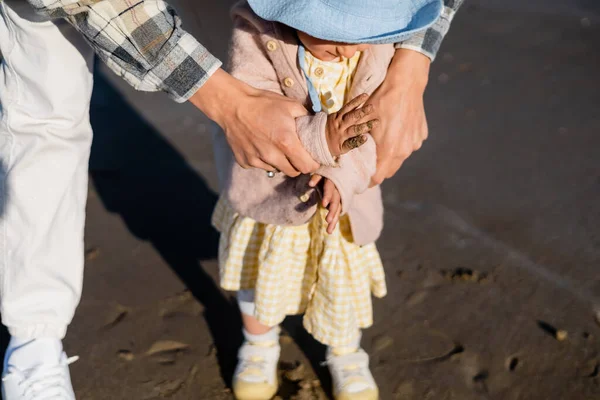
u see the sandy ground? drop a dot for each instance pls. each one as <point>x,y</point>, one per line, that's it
<point>491,247</point>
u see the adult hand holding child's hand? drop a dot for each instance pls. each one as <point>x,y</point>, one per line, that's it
<point>346,128</point>
<point>259,125</point>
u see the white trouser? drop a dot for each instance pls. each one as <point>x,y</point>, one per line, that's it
<point>45,139</point>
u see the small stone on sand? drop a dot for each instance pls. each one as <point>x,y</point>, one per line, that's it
<point>382,342</point>
<point>92,253</point>
<point>295,374</point>
<point>125,355</point>
<point>116,315</point>
<point>166,346</point>
<point>561,335</point>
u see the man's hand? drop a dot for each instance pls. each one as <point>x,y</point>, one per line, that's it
<point>399,107</point>
<point>260,126</point>
<point>346,128</point>
<point>332,200</point>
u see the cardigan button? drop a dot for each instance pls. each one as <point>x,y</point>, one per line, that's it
<point>304,198</point>
<point>271,45</point>
<point>288,82</point>
<point>319,72</point>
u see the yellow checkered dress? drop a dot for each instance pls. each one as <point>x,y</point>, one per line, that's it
<point>302,269</point>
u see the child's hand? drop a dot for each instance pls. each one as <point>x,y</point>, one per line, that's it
<point>331,200</point>
<point>346,128</point>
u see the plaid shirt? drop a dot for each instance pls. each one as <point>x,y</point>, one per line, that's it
<point>428,42</point>
<point>143,42</point>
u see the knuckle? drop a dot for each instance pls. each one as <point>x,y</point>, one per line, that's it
<point>242,160</point>
<point>305,170</point>
<point>254,162</point>
<point>285,143</point>
<point>403,153</point>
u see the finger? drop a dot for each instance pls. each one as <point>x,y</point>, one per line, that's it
<point>299,158</point>
<point>354,103</point>
<point>393,167</point>
<point>328,191</point>
<point>353,143</point>
<point>334,221</point>
<point>362,128</point>
<point>280,163</point>
<point>241,159</point>
<point>314,180</point>
<point>331,227</point>
<point>382,172</point>
<point>297,109</point>
<point>334,206</point>
<point>253,162</point>
<point>258,163</point>
<point>358,114</point>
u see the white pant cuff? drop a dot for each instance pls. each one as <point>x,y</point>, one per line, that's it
<point>37,331</point>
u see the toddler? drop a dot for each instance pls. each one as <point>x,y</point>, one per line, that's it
<point>307,244</point>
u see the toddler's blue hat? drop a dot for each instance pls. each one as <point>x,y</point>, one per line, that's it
<point>352,21</point>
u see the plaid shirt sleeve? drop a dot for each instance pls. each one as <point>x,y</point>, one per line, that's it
<point>141,41</point>
<point>429,41</point>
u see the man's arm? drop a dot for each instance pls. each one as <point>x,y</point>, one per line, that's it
<point>141,41</point>
<point>399,100</point>
<point>429,41</point>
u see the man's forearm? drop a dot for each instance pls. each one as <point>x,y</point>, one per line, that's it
<point>429,41</point>
<point>142,42</point>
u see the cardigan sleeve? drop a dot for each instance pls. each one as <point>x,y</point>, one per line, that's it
<point>353,174</point>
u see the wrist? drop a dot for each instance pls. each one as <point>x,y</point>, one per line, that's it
<point>219,93</point>
<point>409,69</point>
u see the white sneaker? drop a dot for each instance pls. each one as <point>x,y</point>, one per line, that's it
<point>37,370</point>
<point>255,376</point>
<point>352,379</point>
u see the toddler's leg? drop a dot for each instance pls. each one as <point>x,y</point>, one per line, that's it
<point>255,377</point>
<point>349,368</point>
<point>247,307</point>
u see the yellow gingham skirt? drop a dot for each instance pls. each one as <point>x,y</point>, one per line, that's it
<point>301,269</point>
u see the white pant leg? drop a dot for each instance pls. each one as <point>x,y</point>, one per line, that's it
<point>45,139</point>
